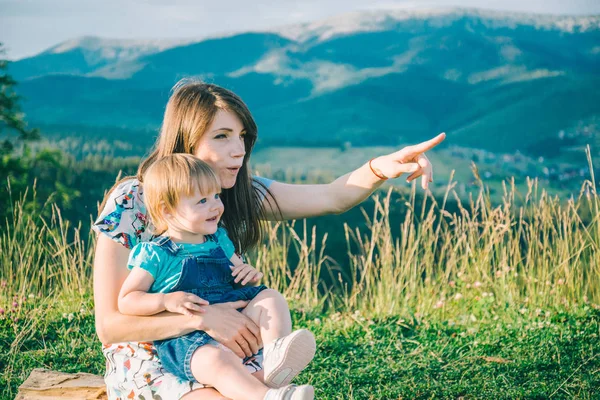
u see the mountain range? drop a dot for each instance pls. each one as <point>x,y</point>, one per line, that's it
<point>493,80</point>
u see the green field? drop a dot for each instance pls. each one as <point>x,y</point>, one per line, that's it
<point>551,355</point>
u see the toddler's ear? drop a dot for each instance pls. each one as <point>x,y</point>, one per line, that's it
<point>163,208</point>
<point>165,211</point>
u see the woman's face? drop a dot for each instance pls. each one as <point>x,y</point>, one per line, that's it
<point>222,147</point>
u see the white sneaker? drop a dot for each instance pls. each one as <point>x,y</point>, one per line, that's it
<point>291,392</point>
<point>287,356</point>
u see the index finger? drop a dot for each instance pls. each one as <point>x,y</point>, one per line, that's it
<point>427,145</point>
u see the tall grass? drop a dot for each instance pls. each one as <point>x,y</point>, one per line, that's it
<point>530,252</point>
<point>539,253</point>
<point>43,256</point>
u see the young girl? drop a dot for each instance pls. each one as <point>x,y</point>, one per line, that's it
<point>193,263</point>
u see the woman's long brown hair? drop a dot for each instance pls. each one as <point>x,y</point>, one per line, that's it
<point>190,111</point>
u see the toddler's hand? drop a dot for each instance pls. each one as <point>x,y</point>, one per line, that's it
<point>184,303</point>
<point>246,273</point>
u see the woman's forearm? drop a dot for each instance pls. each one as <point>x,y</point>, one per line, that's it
<point>353,188</point>
<point>296,201</point>
<point>116,327</point>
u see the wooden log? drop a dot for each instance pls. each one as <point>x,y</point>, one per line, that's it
<point>44,384</point>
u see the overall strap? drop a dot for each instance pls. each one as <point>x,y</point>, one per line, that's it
<point>167,244</point>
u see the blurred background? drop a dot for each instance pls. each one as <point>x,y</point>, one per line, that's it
<point>331,84</point>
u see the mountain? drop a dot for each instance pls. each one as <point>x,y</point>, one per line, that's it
<point>495,80</point>
<point>91,56</point>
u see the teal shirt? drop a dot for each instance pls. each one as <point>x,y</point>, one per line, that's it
<point>165,267</point>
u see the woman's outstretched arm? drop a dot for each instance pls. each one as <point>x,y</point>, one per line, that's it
<point>302,201</point>
<point>222,321</point>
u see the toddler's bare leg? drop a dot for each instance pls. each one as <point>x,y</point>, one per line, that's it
<point>225,371</point>
<point>285,353</point>
<point>270,311</point>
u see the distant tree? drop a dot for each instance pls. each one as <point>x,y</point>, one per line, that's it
<point>11,117</point>
<point>19,171</point>
<point>40,177</point>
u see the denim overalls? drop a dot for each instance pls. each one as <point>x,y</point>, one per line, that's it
<point>209,277</point>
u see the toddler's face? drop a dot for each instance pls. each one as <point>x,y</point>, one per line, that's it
<point>199,213</point>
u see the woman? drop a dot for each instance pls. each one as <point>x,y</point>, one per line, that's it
<point>216,126</point>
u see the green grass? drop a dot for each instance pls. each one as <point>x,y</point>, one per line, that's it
<point>389,358</point>
<point>551,355</point>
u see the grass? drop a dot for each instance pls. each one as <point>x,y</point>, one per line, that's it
<point>361,358</point>
<point>494,300</point>
<point>551,355</point>
<point>39,333</point>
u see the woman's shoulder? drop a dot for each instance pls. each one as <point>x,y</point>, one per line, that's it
<point>122,190</point>
<point>259,181</point>
<point>123,217</point>
<point>261,185</point>
<point>126,194</point>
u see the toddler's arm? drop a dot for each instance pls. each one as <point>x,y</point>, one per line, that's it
<point>244,274</point>
<point>134,298</point>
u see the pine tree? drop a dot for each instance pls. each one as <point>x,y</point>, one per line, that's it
<point>11,117</point>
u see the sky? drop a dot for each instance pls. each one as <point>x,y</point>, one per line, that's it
<point>28,27</point>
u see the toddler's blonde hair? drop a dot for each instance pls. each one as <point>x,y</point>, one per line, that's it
<point>171,177</point>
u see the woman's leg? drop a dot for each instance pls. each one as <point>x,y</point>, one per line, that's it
<point>225,371</point>
<point>260,375</point>
<point>203,394</point>
<point>270,311</point>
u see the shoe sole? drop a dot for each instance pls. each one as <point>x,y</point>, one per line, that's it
<point>299,353</point>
